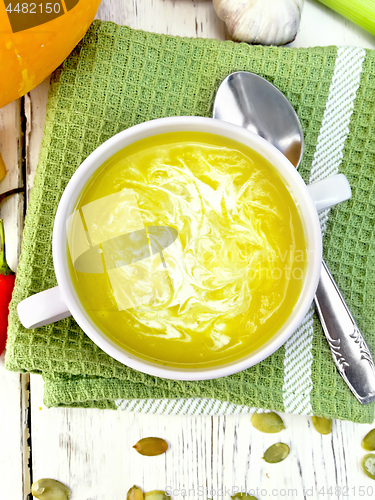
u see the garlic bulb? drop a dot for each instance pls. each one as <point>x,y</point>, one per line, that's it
<point>266,22</point>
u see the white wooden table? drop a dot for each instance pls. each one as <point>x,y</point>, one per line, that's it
<point>91,450</point>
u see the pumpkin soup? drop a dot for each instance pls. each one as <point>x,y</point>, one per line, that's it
<point>187,249</point>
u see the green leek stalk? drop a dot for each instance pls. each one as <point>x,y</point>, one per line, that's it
<point>361,12</point>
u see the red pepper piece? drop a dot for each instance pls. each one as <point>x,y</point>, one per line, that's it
<point>7,278</point>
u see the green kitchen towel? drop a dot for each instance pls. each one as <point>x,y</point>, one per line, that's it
<point>117,77</point>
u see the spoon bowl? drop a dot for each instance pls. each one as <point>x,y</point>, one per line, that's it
<point>250,101</point>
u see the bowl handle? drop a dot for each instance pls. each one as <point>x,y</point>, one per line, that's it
<point>42,308</point>
<point>330,191</point>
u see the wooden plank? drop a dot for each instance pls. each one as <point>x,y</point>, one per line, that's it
<point>182,18</point>
<point>11,209</point>
<point>93,455</point>
<point>14,393</point>
<point>322,26</point>
<point>91,450</point>
<point>14,432</point>
<point>35,113</point>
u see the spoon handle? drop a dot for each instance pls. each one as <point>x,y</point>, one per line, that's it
<point>349,349</point>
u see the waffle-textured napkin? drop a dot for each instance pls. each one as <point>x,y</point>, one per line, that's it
<point>117,77</point>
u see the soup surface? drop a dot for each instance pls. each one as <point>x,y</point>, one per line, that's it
<point>187,249</point>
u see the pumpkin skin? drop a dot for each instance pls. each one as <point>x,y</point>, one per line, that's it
<point>27,57</point>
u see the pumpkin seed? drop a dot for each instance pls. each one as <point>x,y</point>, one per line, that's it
<point>245,496</point>
<point>267,422</point>
<point>368,442</point>
<point>276,453</point>
<point>368,465</point>
<point>49,489</point>
<point>322,425</point>
<point>135,493</point>
<point>156,495</point>
<point>151,446</point>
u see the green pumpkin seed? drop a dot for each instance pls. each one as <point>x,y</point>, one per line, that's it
<point>151,446</point>
<point>276,453</point>
<point>322,425</point>
<point>49,489</point>
<point>135,493</point>
<point>368,465</point>
<point>267,422</point>
<point>156,495</point>
<point>368,442</point>
<point>245,496</point>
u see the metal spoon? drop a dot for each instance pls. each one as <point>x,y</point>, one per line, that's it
<point>250,101</point>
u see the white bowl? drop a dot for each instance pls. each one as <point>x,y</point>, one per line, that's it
<point>63,301</point>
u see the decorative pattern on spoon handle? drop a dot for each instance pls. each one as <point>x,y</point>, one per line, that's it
<point>349,349</point>
<point>363,348</point>
<point>338,356</point>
